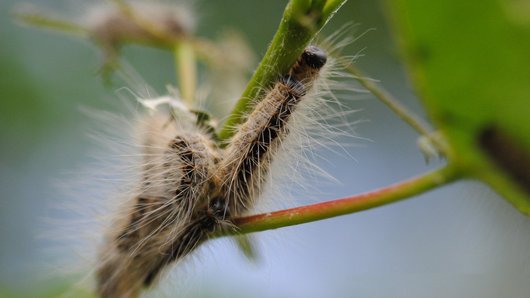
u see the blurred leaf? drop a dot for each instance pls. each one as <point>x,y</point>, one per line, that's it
<point>470,62</point>
<point>19,101</point>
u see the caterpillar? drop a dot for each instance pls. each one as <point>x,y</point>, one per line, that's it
<point>249,154</point>
<point>175,180</point>
<point>192,188</point>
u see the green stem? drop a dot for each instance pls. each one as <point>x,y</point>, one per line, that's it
<point>40,20</point>
<point>301,21</point>
<point>320,211</point>
<point>186,68</point>
<point>390,101</point>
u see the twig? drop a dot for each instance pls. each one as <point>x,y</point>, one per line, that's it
<point>356,203</point>
<point>35,18</point>
<point>390,101</point>
<point>186,70</point>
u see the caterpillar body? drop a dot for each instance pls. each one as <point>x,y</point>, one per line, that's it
<point>248,157</point>
<point>192,188</point>
<point>173,188</point>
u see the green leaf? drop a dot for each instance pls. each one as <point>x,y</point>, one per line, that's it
<point>470,63</point>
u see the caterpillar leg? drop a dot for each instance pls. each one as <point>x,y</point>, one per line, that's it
<point>204,222</point>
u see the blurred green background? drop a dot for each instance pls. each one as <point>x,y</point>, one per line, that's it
<point>458,241</point>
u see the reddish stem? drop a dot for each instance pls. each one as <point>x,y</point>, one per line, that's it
<point>324,210</point>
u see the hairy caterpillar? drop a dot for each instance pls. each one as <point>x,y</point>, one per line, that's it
<point>191,188</point>
<point>249,153</point>
<point>172,188</point>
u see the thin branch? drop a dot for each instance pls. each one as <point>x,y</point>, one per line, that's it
<point>390,101</point>
<point>414,121</point>
<point>186,70</point>
<point>35,18</point>
<point>320,211</point>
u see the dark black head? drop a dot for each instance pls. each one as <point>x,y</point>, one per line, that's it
<point>314,57</point>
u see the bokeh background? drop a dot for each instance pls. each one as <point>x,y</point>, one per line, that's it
<point>458,241</point>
